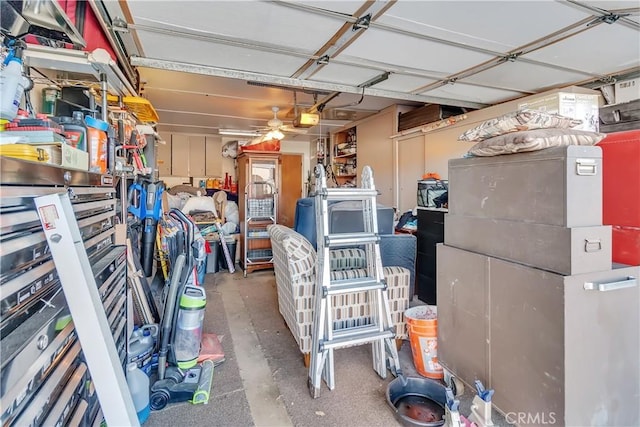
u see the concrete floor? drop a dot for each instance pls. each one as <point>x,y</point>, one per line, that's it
<point>263,381</point>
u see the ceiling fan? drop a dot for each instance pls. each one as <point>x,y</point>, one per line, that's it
<point>276,128</point>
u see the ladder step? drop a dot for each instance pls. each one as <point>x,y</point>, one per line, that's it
<point>345,239</point>
<point>355,336</point>
<point>348,193</point>
<point>353,285</point>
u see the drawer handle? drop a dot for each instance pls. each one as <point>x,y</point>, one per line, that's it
<point>629,282</point>
<point>586,167</point>
<point>592,245</point>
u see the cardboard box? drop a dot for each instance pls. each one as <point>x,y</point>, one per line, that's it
<point>574,105</point>
<point>66,156</point>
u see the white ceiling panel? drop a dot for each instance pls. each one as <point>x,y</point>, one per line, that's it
<point>405,51</point>
<point>403,83</point>
<point>346,7</point>
<point>473,93</point>
<point>603,49</point>
<point>218,87</point>
<point>265,22</point>
<point>172,48</point>
<point>525,77</point>
<point>612,4</point>
<point>482,24</point>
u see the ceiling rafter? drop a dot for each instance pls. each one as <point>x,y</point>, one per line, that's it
<point>346,35</point>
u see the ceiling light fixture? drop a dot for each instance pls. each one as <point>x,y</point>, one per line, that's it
<point>238,132</point>
<point>377,79</point>
<point>274,134</point>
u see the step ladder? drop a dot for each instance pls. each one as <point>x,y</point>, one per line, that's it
<point>379,331</point>
<point>87,311</point>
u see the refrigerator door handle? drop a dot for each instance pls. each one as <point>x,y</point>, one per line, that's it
<point>629,282</point>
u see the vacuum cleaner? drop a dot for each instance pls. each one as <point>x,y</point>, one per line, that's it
<point>184,379</point>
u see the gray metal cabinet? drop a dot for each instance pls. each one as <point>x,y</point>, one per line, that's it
<point>564,346</point>
<point>557,186</point>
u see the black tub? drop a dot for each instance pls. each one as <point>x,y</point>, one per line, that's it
<point>417,402</point>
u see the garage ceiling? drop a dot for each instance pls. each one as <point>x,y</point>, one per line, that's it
<point>461,53</point>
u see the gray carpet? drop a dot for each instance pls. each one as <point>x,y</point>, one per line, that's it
<point>357,400</point>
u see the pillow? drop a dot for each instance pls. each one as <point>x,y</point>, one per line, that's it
<point>518,121</point>
<point>533,140</point>
<point>202,203</point>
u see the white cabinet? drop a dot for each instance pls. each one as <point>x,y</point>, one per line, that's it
<point>179,155</point>
<point>197,156</point>
<point>163,156</point>
<point>213,155</point>
<point>187,155</point>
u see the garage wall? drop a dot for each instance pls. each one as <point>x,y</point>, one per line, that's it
<point>177,148</point>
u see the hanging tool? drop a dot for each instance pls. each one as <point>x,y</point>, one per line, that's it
<point>380,331</point>
<point>145,203</point>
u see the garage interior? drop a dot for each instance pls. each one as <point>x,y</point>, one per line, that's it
<point>218,77</point>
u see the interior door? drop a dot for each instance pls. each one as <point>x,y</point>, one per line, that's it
<point>375,149</point>
<point>409,169</point>
<point>290,187</point>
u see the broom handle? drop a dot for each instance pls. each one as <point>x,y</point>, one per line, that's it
<point>225,249</point>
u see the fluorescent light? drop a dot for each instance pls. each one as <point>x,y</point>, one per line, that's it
<point>238,132</point>
<point>375,80</point>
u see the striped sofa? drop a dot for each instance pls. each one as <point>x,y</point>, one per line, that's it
<point>295,271</point>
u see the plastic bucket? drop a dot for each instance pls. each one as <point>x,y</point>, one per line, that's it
<point>422,324</point>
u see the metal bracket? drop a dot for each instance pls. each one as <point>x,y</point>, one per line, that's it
<point>362,23</point>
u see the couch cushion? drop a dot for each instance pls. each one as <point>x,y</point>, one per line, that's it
<point>301,256</point>
<point>347,259</point>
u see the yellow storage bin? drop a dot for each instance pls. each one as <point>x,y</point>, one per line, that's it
<point>24,152</point>
<point>142,108</point>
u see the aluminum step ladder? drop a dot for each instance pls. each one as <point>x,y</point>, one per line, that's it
<point>85,305</point>
<point>379,331</point>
